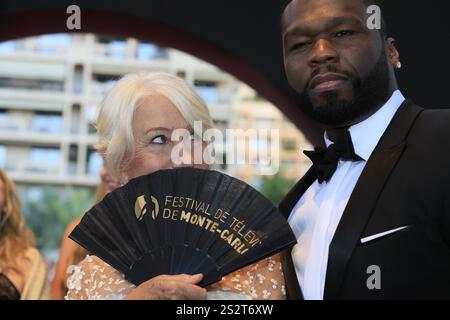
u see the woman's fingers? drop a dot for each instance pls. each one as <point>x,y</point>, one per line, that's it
<point>176,287</point>
<point>184,291</point>
<point>194,279</point>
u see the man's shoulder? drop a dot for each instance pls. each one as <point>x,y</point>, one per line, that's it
<point>430,133</point>
<point>433,123</point>
<point>432,114</point>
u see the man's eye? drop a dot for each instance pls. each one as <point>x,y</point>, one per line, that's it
<point>344,33</point>
<point>299,45</point>
<point>159,140</point>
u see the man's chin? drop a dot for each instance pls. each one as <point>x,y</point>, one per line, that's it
<point>332,111</point>
<point>326,98</point>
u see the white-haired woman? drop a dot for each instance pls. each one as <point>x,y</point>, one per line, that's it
<point>135,125</point>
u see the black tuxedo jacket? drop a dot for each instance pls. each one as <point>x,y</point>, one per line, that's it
<point>405,183</point>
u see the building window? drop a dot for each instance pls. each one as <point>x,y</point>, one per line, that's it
<point>207,90</point>
<point>73,159</point>
<point>109,39</point>
<point>60,39</point>
<point>94,163</point>
<point>102,83</point>
<point>31,84</point>
<point>47,123</point>
<point>114,48</point>
<point>75,119</point>
<point>147,51</point>
<point>52,43</point>
<point>78,79</point>
<point>181,74</point>
<point>92,129</point>
<point>2,156</point>
<point>90,114</point>
<point>44,160</point>
<point>51,156</point>
<point>7,47</point>
<point>117,50</point>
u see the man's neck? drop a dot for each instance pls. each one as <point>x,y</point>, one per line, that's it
<point>365,116</point>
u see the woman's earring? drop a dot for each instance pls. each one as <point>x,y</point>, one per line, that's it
<point>398,65</point>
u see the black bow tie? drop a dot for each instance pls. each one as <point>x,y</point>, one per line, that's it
<point>325,161</point>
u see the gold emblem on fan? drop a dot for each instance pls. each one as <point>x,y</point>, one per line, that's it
<point>140,207</point>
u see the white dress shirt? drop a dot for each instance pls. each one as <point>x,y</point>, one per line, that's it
<point>316,215</point>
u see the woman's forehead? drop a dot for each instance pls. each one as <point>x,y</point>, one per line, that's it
<point>158,112</point>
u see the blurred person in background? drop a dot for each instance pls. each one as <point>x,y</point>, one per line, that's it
<point>23,273</point>
<point>71,253</point>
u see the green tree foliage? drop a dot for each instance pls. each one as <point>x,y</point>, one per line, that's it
<point>276,187</point>
<point>48,210</point>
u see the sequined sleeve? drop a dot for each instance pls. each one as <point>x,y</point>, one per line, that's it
<point>263,280</point>
<point>93,279</point>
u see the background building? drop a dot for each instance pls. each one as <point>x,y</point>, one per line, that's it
<point>51,85</point>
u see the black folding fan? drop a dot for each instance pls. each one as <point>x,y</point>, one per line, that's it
<point>183,220</point>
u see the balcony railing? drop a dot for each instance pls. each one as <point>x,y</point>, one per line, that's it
<point>11,124</point>
<point>117,51</point>
<point>23,126</point>
<point>101,88</point>
<point>26,167</point>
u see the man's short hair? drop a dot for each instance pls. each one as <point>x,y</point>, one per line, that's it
<point>378,3</point>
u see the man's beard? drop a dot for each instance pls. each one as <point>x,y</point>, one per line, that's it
<point>368,95</point>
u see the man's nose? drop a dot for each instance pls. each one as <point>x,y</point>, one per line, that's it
<point>323,53</point>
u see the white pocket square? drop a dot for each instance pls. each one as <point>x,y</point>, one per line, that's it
<point>383,234</point>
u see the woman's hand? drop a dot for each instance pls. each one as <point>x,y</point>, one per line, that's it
<point>164,287</point>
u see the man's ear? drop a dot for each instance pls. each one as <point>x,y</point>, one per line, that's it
<point>394,55</point>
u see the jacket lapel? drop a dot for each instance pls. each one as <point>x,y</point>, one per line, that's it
<point>293,290</point>
<point>364,197</point>
<point>290,200</point>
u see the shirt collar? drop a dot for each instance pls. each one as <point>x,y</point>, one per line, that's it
<point>366,134</point>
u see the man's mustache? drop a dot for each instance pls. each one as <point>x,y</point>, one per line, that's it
<point>329,68</point>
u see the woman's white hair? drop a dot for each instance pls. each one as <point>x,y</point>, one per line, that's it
<point>116,111</point>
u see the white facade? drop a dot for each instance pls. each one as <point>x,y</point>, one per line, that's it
<point>50,87</point>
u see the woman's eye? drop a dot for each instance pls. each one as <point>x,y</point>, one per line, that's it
<point>344,33</point>
<point>159,140</point>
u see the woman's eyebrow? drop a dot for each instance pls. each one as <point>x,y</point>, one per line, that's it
<point>157,129</point>
<point>188,128</point>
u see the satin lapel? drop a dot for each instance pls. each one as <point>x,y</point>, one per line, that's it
<point>291,199</point>
<point>365,196</point>
<point>293,291</point>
